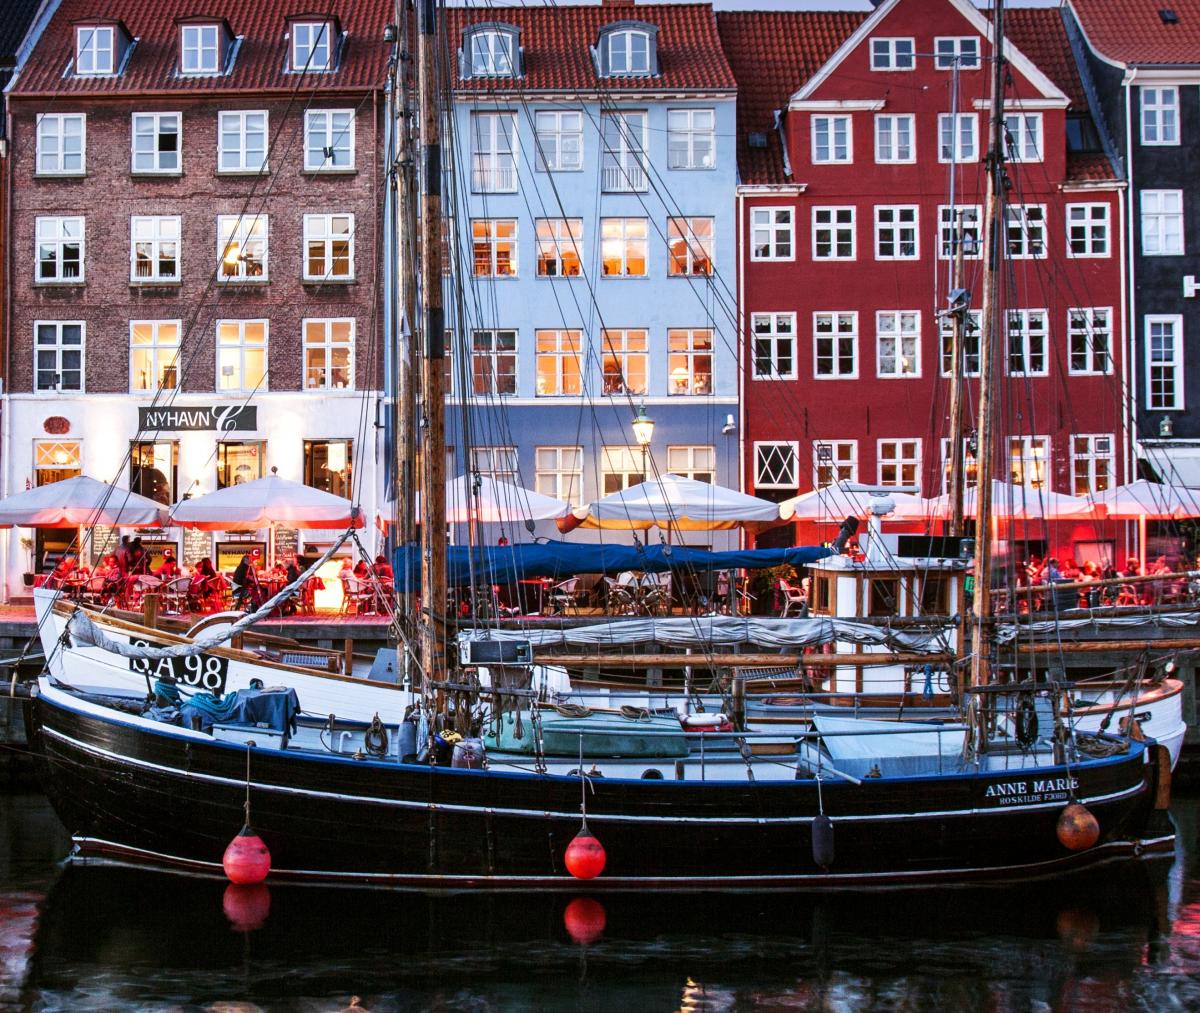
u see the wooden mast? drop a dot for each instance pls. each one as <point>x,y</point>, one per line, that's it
<point>994,240</point>
<point>407,358</point>
<point>433,337</point>
<point>958,321</point>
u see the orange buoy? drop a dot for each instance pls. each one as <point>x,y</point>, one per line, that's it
<point>246,906</point>
<point>585,855</point>
<point>1077,828</point>
<point>247,860</point>
<point>585,919</point>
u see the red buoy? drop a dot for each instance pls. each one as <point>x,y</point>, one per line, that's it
<point>1077,828</point>
<point>246,907</point>
<point>585,919</point>
<point>585,855</point>
<point>247,860</point>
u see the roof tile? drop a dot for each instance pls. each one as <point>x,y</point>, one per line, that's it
<point>1132,32</point>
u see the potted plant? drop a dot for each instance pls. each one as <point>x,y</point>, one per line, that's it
<point>27,545</point>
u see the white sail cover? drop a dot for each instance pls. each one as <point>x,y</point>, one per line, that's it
<point>834,503</point>
<point>80,501</point>
<point>491,502</point>
<point>264,502</point>
<point>1021,503</point>
<point>1149,501</point>
<point>683,503</point>
<point>895,748</point>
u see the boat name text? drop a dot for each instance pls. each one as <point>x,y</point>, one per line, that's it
<point>1028,792</point>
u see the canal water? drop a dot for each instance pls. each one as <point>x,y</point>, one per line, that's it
<point>106,938</point>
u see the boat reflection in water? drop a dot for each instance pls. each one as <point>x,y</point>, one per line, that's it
<point>119,937</point>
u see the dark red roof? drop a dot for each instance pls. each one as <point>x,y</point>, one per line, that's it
<point>261,59</point>
<point>1039,33</point>
<point>1088,167</point>
<point>557,45</point>
<point>773,53</point>
<point>1133,32</point>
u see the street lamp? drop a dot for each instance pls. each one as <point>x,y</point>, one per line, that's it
<point>1166,428</point>
<point>643,432</point>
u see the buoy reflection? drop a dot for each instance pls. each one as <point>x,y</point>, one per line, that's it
<point>585,919</point>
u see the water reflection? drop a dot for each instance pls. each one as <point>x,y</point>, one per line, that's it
<point>1127,936</point>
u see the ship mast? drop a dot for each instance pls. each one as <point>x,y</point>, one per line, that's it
<point>433,337</point>
<point>991,324</point>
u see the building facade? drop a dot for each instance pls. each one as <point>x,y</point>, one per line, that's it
<point>1141,59</point>
<point>593,168</point>
<point>195,194</point>
<point>861,174</point>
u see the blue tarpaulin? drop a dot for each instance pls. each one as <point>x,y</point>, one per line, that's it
<point>506,564</point>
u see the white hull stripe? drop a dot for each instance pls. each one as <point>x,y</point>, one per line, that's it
<point>596,817</point>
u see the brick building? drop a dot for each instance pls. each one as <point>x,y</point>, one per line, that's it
<point>194,217</point>
<point>861,139</point>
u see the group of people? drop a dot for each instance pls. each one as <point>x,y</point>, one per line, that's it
<point>374,583</point>
<point>1108,590</point>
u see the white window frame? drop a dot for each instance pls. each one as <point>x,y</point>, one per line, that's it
<point>1089,226</point>
<point>834,461</point>
<point>901,328</point>
<point>317,333</point>
<point>1175,364</point>
<point>828,126</point>
<point>308,38</point>
<point>1025,231</point>
<point>630,65</point>
<point>628,465</point>
<point>242,231</point>
<point>624,153</point>
<point>194,45</point>
<point>946,335</point>
<point>969,460</point>
<point>698,237</point>
<point>1159,118</point>
<point>155,238</point>
<point>837,319</point>
<point>156,122</point>
<point>1032,328</point>
<point>52,127</point>
<point>559,156</point>
<point>1088,462</point>
<point>691,144</point>
<point>91,43</point>
<point>625,239</point>
<point>775,343</point>
<point>833,227</point>
<point>685,461</point>
<point>319,124</point>
<point>1154,222</point>
<point>163,353</point>
<point>52,232</point>
<point>493,169</point>
<point>319,229</point>
<point>623,346</point>
<point>899,229</point>
<point>561,350</point>
<point>687,349</point>
<point>1023,452</point>
<point>59,348</point>
<point>1084,324</point>
<point>492,354</point>
<point>887,54</point>
<point>490,52</point>
<point>895,138</point>
<point>772,229</point>
<point>485,235</point>
<point>955,57</point>
<point>552,238</point>
<point>972,231</point>
<point>776,464</point>
<point>907,453</point>
<point>558,472</point>
<point>242,346</point>
<point>962,148</point>
<point>497,462</point>
<point>236,120</point>
<point>1026,133</point>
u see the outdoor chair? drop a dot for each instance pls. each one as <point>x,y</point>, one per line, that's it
<point>357,597</point>
<point>175,596</point>
<point>792,597</point>
<point>620,599</point>
<point>565,596</point>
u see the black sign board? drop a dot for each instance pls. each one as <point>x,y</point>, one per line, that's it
<point>221,418</point>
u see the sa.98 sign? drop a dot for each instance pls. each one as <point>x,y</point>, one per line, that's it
<point>196,671</point>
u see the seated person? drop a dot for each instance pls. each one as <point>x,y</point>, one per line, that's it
<point>382,571</point>
<point>169,569</point>
<point>361,570</point>
<point>65,571</point>
<point>247,592</point>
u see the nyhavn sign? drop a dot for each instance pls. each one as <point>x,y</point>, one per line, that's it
<point>221,418</point>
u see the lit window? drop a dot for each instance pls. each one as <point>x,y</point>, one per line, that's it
<point>970,466</point>
<point>960,224</point>
<point>691,138</point>
<point>242,142</point>
<point>559,472</point>
<point>156,145</point>
<point>494,152</point>
<point>239,462</point>
<point>774,336</point>
<point>771,235</point>
<point>1087,230</point>
<point>898,343</point>
<point>689,361</point>
<point>58,356</point>
<point>241,355</point>
<point>60,250</point>
<point>776,465</point>
<point>899,463</point>
<point>558,365</point>
<point>970,344</point>
<point>1160,116</point>
<point>625,361</point>
<point>621,468</point>
<point>154,469</point>
<point>690,246</point>
<point>1162,222</point>
<point>833,233</point>
<point>834,461</point>
<point>311,46</point>
<point>894,139</point>
<point>958,137</point>
<point>896,233</point>
<point>835,345</point>
<point>200,49</point>
<point>623,247</point>
<point>892,54</point>
<point>1026,228</point>
<point>831,139</point>
<point>559,140</point>
<point>329,466</point>
<point>623,168</point>
<point>242,247</point>
<point>558,247</point>
<point>494,361</point>
<point>1092,464</point>
<point>60,144</point>
<point>329,247</point>
<point>1027,335</point>
<point>95,50</point>
<point>329,354</point>
<point>1164,363</point>
<point>154,249</point>
<point>1023,136</point>
<point>153,355</point>
<point>1028,459</point>
<point>329,140</point>
<point>1089,339</point>
<point>494,247</point>
<point>961,52</point>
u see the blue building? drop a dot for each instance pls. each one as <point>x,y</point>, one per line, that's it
<point>593,171</point>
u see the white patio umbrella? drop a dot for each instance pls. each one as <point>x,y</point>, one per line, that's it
<point>263,503</point>
<point>1143,501</point>
<point>495,502</point>
<point>671,501</point>
<point>834,503</point>
<point>1020,503</point>
<point>78,501</point>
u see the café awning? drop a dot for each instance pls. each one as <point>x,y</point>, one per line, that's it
<point>80,501</point>
<point>263,503</point>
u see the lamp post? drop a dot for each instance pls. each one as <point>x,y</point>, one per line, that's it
<point>1166,428</point>
<point>643,432</point>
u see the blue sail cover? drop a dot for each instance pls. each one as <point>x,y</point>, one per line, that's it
<point>506,564</point>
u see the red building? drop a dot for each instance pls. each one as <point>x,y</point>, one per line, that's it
<point>861,140</point>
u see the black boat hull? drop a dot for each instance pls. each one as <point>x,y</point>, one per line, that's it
<point>128,788</point>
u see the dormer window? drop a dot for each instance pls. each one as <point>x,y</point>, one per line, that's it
<point>628,49</point>
<point>205,46</point>
<point>313,44</point>
<point>491,50</point>
<point>95,49</point>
